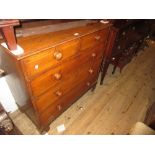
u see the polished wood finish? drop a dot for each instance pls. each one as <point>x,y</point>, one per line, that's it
<point>58,67</point>
<point>36,64</point>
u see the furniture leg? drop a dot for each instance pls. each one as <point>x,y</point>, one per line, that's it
<point>108,53</point>
<point>104,70</point>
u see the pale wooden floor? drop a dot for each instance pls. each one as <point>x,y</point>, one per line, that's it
<point>112,108</point>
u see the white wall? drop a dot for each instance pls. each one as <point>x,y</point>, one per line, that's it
<point>6,97</point>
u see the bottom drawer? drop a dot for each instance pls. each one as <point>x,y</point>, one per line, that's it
<point>56,109</point>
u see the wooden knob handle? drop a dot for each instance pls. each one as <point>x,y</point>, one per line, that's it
<point>57,76</point>
<point>58,93</point>
<point>93,54</point>
<point>58,55</point>
<point>91,71</point>
<point>36,67</point>
<point>97,37</point>
<point>88,83</point>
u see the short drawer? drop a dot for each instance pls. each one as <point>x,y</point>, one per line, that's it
<point>104,35</point>
<point>92,40</point>
<point>89,41</point>
<point>46,59</point>
<point>94,53</point>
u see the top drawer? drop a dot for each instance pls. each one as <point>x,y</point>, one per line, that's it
<point>44,60</point>
<point>91,40</point>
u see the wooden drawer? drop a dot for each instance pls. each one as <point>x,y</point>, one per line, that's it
<point>89,41</point>
<point>94,53</point>
<point>104,35</point>
<point>92,40</point>
<point>46,59</point>
<point>56,109</point>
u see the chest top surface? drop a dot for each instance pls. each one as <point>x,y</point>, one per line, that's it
<point>36,43</point>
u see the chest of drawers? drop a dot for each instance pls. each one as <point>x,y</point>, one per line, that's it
<point>55,69</point>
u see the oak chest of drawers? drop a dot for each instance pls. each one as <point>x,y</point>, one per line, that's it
<point>55,69</point>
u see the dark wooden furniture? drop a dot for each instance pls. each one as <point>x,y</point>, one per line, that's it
<point>108,52</point>
<point>130,36</point>
<point>56,68</point>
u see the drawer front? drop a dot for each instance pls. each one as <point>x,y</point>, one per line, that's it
<point>89,41</point>
<point>45,60</point>
<point>92,40</point>
<point>56,109</point>
<point>94,53</point>
<point>104,35</point>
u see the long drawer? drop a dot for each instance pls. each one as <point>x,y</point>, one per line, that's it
<point>46,59</point>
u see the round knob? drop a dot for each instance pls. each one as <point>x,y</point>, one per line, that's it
<point>123,33</point>
<point>57,76</point>
<point>58,55</point>
<point>88,83</point>
<point>91,71</point>
<point>97,37</point>
<point>76,34</point>
<point>133,28</point>
<point>36,67</point>
<point>119,47</point>
<point>93,54</point>
<point>58,93</point>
